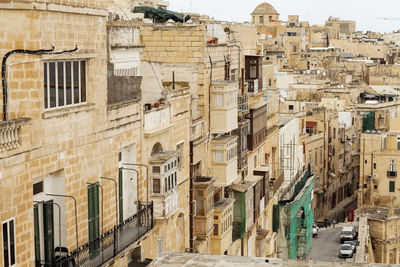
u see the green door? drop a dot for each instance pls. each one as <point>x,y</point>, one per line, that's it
<point>120,197</point>
<point>93,219</point>
<point>48,225</point>
<point>37,233</point>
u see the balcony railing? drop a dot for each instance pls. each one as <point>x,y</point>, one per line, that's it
<point>10,134</point>
<point>111,243</point>
<point>252,86</point>
<point>392,174</point>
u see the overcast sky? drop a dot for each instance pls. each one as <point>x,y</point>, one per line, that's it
<point>365,12</point>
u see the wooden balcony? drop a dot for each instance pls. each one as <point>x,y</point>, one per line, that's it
<point>222,232</point>
<point>204,210</point>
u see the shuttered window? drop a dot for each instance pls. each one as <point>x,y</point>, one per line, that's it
<point>156,186</point>
<point>37,232</point>
<point>218,100</point>
<point>93,218</point>
<point>48,225</point>
<point>218,156</point>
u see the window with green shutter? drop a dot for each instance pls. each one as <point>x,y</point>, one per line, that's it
<point>37,232</point>
<point>48,225</point>
<point>93,219</point>
<point>120,196</point>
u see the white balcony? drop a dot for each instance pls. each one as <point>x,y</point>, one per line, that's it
<point>165,206</point>
<point>157,120</point>
<point>224,106</point>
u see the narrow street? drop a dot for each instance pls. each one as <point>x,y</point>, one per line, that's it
<point>325,247</point>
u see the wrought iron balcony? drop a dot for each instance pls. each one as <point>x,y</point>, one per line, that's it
<point>111,243</point>
<point>392,174</point>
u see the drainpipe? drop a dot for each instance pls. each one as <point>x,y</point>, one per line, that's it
<point>191,206</point>
<point>22,51</point>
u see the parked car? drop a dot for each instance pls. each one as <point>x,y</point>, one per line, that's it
<point>345,251</point>
<point>353,245</point>
<point>348,234</point>
<point>315,230</point>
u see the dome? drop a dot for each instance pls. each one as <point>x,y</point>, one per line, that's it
<point>265,8</point>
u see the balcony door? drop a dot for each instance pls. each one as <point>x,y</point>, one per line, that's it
<point>93,219</point>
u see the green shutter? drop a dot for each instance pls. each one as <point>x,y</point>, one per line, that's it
<point>48,223</point>
<point>93,218</point>
<point>120,196</point>
<point>37,232</point>
<point>275,218</point>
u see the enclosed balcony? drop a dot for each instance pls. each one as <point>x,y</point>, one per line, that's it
<point>222,233</point>
<point>242,131</point>
<point>224,159</point>
<point>258,125</point>
<point>204,211</point>
<point>164,183</point>
<point>243,215</point>
<point>224,106</point>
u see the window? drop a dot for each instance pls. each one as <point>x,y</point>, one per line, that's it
<point>255,161</point>
<point>215,229</point>
<point>64,83</point>
<point>176,179</point>
<point>294,49</point>
<point>179,149</point>
<point>334,133</point>
<point>391,186</point>
<point>9,243</point>
<point>233,75</point>
<point>200,193</point>
<point>261,19</point>
<point>269,82</point>
<point>218,156</point>
<point>253,72</point>
<point>200,207</point>
<point>392,166</point>
<point>398,143</point>
<point>156,186</point>
<point>374,165</point>
<point>218,100</point>
<point>156,169</point>
<point>291,107</point>
<point>38,188</point>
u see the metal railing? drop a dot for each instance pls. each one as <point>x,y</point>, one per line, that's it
<point>111,243</point>
<point>392,174</point>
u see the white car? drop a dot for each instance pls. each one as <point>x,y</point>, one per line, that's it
<point>346,251</point>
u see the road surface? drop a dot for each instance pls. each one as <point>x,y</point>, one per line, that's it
<point>325,247</point>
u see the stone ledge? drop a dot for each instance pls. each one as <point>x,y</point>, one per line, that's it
<point>53,7</point>
<point>63,111</point>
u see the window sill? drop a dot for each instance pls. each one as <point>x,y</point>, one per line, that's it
<point>63,111</point>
